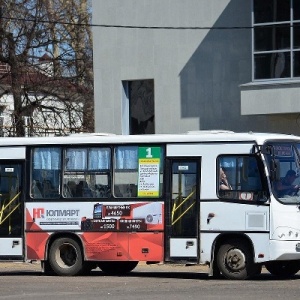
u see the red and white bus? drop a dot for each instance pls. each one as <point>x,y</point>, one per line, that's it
<point>110,201</point>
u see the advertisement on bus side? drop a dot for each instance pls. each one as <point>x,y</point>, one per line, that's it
<point>91,216</point>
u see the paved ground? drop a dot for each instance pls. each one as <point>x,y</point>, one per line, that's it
<point>167,282</point>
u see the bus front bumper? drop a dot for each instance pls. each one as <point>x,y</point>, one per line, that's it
<point>284,250</point>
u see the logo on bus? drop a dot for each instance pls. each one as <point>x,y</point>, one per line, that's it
<point>38,213</point>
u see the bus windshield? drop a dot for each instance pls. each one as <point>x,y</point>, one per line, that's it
<point>285,167</point>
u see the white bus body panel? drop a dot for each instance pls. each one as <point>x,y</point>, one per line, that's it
<point>180,247</point>
<point>11,246</point>
<point>12,152</point>
<point>260,243</point>
<point>227,216</point>
<point>219,217</point>
<point>284,231</point>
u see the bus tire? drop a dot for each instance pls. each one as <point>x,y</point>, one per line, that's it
<point>117,267</point>
<point>283,268</point>
<point>65,257</point>
<point>235,260</point>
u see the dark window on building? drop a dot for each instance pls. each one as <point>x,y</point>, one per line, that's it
<point>296,10</point>
<point>276,31</point>
<point>268,11</point>
<point>270,65</point>
<point>141,106</point>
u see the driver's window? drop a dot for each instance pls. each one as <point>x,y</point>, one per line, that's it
<point>286,168</point>
<point>286,185</point>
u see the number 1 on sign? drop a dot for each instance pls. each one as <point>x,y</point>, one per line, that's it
<point>149,154</point>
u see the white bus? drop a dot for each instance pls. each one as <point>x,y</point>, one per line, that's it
<point>110,201</point>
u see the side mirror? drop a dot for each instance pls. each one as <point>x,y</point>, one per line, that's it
<point>264,198</point>
<point>261,197</point>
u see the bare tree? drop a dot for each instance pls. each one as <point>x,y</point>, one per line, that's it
<point>53,90</point>
<point>74,29</point>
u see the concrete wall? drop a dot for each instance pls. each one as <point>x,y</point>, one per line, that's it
<point>197,73</point>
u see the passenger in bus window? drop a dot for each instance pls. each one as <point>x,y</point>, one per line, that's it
<point>224,184</point>
<point>285,185</point>
<point>36,189</point>
<point>83,190</point>
<point>117,191</point>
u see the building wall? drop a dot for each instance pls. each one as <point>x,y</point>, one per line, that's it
<point>198,74</point>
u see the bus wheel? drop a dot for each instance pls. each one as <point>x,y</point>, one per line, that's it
<point>234,260</point>
<point>117,267</point>
<point>65,257</point>
<point>283,268</point>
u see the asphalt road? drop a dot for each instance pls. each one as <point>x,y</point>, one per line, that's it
<point>167,282</point>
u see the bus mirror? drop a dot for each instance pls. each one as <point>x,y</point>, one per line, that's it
<point>267,149</point>
<point>261,196</point>
<point>264,198</point>
<point>256,149</point>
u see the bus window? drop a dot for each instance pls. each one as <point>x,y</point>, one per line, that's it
<point>284,167</point>
<point>87,173</point>
<point>45,172</point>
<point>138,171</point>
<point>239,177</point>
<point>126,171</point>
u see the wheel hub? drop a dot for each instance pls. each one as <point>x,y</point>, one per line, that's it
<point>235,259</point>
<point>66,256</point>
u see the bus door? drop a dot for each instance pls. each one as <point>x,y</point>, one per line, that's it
<point>11,211</point>
<point>182,210</point>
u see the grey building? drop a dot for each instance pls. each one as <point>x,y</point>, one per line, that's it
<point>170,66</point>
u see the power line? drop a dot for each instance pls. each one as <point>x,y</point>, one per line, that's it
<point>175,27</point>
<point>151,27</point>
<point>131,26</point>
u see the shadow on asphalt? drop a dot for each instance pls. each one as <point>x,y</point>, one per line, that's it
<point>151,274</point>
<point>202,276</point>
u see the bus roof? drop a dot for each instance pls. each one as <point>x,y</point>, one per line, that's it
<point>190,137</point>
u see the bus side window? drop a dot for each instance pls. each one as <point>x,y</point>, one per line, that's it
<point>45,172</point>
<point>251,180</point>
<point>87,172</point>
<point>125,172</point>
<point>132,164</point>
<point>243,179</point>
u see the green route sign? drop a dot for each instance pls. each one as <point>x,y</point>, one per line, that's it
<point>149,165</point>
